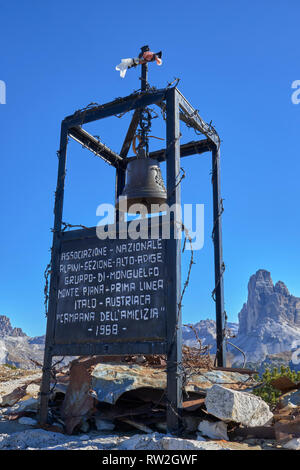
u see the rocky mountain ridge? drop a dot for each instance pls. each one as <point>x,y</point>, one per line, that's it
<point>268,302</point>
<point>269,322</point>
<point>6,328</point>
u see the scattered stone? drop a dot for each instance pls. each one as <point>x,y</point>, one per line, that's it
<point>37,438</point>
<point>240,407</point>
<point>158,441</point>
<point>33,439</point>
<point>31,404</point>
<point>33,390</point>
<point>213,430</point>
<point>27,421</point>
<point>292,398</point>
<point>40,439</point>
<point>140,359</point>
<point>174,443</point>
<point>16,385</point>
<point>294,444</point>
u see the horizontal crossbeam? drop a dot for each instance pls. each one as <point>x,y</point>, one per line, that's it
<point>190,148</point>
<point>94,145</point>
<point>118,106</point>
<point>111,349</point>
<point>191,117</point>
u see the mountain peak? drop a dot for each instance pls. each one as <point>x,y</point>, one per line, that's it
<point>281,288</point>
<point>262,274</point>
<point>266,301</point>
<point>261,281</point>
<point>7,330</point>
<point>270,319</point>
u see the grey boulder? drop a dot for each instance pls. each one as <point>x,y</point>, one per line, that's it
<point>240,407</point>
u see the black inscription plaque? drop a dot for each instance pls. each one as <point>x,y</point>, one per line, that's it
<point>111,291</point>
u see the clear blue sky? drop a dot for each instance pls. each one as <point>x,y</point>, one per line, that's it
<point>236,61</point>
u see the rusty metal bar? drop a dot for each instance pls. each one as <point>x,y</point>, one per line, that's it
<point>191,117</point>
<point>94,145</point>
<point>118,106</point>
<point>190,148</point>
<point>58,211</point>
<point>218,261</point>
<point>174,330</point>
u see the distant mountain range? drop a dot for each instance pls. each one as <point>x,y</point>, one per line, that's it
<point>269,323</point>
<point>268,329</point>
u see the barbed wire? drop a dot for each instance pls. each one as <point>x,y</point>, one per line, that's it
<point>47,273</point>
<point>68,226</point>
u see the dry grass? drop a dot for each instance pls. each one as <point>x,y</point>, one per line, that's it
<point>8,373</point>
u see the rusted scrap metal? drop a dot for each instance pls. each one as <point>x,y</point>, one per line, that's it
<point>11,398</point>
<point>286,430</point>
<point>255,432</point>
<point>51,428</point>
<point>239,370</point>
<point>117,388</point>
<point>109,383</point>
<point>120,411</point>
<point>287,422</point>
<point>193,405</point>
<point>285,384</point>
<point>78,403</point>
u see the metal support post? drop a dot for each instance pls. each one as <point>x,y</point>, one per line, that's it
<point>58,211</point>
<point>218,257</point>
<point>174,334</point>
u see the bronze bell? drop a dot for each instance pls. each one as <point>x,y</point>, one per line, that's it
<point>144,184</point>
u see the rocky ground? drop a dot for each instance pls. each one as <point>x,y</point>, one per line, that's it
<point>229,418</point>
<point>39,439</point>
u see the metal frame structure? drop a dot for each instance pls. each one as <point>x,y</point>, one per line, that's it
<point>176,109</point>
